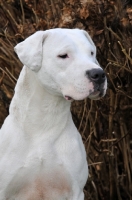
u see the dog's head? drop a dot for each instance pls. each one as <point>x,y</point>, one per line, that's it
<point>64,61</point>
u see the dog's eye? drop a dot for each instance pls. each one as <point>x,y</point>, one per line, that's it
<point>63,56</point>
<point>92,53</point>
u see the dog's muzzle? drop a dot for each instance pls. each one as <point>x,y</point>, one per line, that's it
<point>97,77</point>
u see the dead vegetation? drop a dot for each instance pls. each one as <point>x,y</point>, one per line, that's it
<point>105,125</point>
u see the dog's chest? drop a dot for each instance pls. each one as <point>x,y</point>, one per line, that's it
<point>46,165</point>
<point>39,173</point>
<point>40,179</point>
<point>53,185</point>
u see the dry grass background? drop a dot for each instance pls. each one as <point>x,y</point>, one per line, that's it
<point>105,125</point>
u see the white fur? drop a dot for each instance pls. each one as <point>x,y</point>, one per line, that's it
<point>41,152</point>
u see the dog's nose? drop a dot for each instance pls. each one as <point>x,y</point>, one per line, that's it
<point>96,75</point>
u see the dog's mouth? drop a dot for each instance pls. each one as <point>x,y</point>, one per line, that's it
<point>95,95</point>
<point>68,98</point>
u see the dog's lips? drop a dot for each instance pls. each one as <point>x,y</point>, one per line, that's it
<point>68,98</point>
<point>95,95</point>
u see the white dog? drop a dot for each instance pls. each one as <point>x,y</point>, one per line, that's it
<point>42,156</point>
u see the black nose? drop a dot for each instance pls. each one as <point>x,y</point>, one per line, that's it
<point>96,75</point>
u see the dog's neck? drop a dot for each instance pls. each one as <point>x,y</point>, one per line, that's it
<point>35,109</point>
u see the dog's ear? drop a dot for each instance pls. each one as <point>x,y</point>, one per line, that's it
<point>30,50</point>
<point>91,42</point>
<point>88,37</point>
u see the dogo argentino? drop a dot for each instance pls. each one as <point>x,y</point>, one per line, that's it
<point>42,156</point>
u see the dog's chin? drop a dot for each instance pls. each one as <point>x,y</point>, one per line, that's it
<point>75,97</point>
